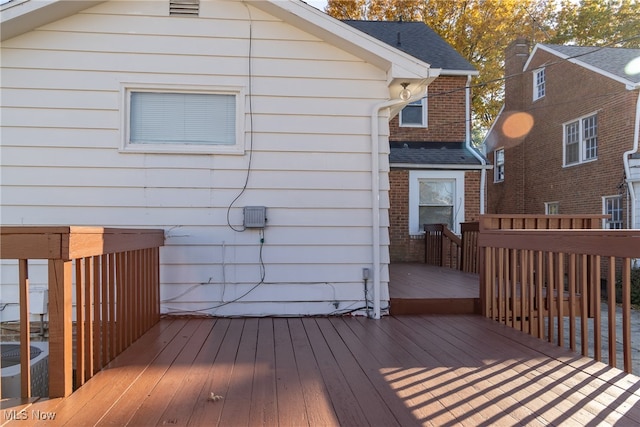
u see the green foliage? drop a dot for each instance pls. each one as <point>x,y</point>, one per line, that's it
<point>598,23</point>
<point>480,30</point>
<point>635,288</point>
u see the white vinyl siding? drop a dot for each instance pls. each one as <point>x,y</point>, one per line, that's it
<point>308,132</point>
<point>581,140</point>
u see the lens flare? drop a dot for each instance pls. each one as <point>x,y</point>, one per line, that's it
<point>633,67</point>
<point>517,125</point>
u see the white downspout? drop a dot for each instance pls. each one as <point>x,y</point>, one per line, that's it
<point>625,159</point>
<point>375,195</point>
<point>483,171</point>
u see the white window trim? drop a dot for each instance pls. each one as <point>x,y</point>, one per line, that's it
<point>495,163</point>
<point>547,205</point>
<point>536,73</point>
<point>581,142</point>
<point>415,228</point>
<point>425,116</point>
<point>127,147</point>
<point>606,221</point>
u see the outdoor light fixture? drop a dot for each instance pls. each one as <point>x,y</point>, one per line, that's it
<point>405,93</point>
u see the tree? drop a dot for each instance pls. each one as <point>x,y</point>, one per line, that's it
<point>613,23</point>
<point>479,30</point>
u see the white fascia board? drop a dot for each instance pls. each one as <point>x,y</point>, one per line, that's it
<point>396,63</point>
<point>20,16</point>
<point>438,167</point>
<point>630,85</point>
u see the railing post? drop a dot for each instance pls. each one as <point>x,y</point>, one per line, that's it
<point>60,328</point>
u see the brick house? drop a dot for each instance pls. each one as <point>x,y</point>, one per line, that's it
<point>562,143</point>
<point>435,175</point>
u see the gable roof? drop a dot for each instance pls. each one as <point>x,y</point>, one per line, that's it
<point>20,16</point>
<point>418,40</point>
<point>608,61</point>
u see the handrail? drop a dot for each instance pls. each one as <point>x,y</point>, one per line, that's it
<point>116,276</point>
<point>534,280</point>
<point>445,249</point>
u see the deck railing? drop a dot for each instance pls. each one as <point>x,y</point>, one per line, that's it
<point>444,248</point>
<point>541,282</point>
<point>110,275</point>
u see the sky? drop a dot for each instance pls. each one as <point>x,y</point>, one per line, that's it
<point>318,4</point>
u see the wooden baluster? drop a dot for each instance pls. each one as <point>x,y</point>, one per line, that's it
<point>60,328</point>
<point>25,330</point>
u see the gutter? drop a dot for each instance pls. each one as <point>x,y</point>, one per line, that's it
<point>442,166</point>
<point>483,162</point>
<point>375,193</point>
<point>625,160</point>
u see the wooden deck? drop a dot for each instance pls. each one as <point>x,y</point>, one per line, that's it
<point>427,289</point>
<point>439,370</point>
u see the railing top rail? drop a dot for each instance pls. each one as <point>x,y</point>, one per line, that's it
<point>616,243</point>
<point>533,221</point>
<point>70,242</point>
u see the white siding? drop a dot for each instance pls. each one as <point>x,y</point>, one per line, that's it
<point>311,107</point>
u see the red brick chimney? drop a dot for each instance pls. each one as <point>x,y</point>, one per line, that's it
<point>515,56</point>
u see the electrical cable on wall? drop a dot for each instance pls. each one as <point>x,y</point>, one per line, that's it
<point>250,96</point>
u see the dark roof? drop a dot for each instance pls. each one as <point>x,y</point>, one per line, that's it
<point>432,153</point>
<point>418,40</point>
<point>612,60</point>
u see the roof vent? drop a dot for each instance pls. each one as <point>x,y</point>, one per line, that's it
<point>184,7</point>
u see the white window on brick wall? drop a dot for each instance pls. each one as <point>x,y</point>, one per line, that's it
<point>612,206</point>
<point>581,140</point>
<point>498,165</point>
<point>552,208</point>
<point>539,84</point>
<point>414,114</point>
<point>181,119</point>
<point>435,197</point>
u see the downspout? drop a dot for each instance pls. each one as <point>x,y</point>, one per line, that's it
<point>375,194</point>
<point>483,162</point>
<point>625,160</point>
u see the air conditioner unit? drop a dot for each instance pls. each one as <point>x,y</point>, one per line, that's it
<point>10,355</point>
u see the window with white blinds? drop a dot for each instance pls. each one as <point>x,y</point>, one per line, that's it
<point>182,118</point>
<point>176,120</point>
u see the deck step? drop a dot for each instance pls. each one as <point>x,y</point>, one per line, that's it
<point>403,306</point>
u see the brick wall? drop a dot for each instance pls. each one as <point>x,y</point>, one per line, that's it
<point>534,172</point>
<point>406,248</point>
<point>446,114</point>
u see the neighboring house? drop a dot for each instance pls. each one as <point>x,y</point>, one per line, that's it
<point>564,140</point>
<point>150,114</point>
<point>436,175</point>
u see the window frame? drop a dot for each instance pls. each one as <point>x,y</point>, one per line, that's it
<point>126,146</point>
<point>424,106</point>
<point>549,206</point>
<point>498,167</point>
<point>582,140</point>
<point>539,83</point>
<point>415,228</point>
<point>606,211</point>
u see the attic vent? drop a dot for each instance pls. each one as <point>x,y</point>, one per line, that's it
<point>184,7</point>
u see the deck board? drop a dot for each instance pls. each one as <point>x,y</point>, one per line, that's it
<point>428,289</point>
<point>430,370</point>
